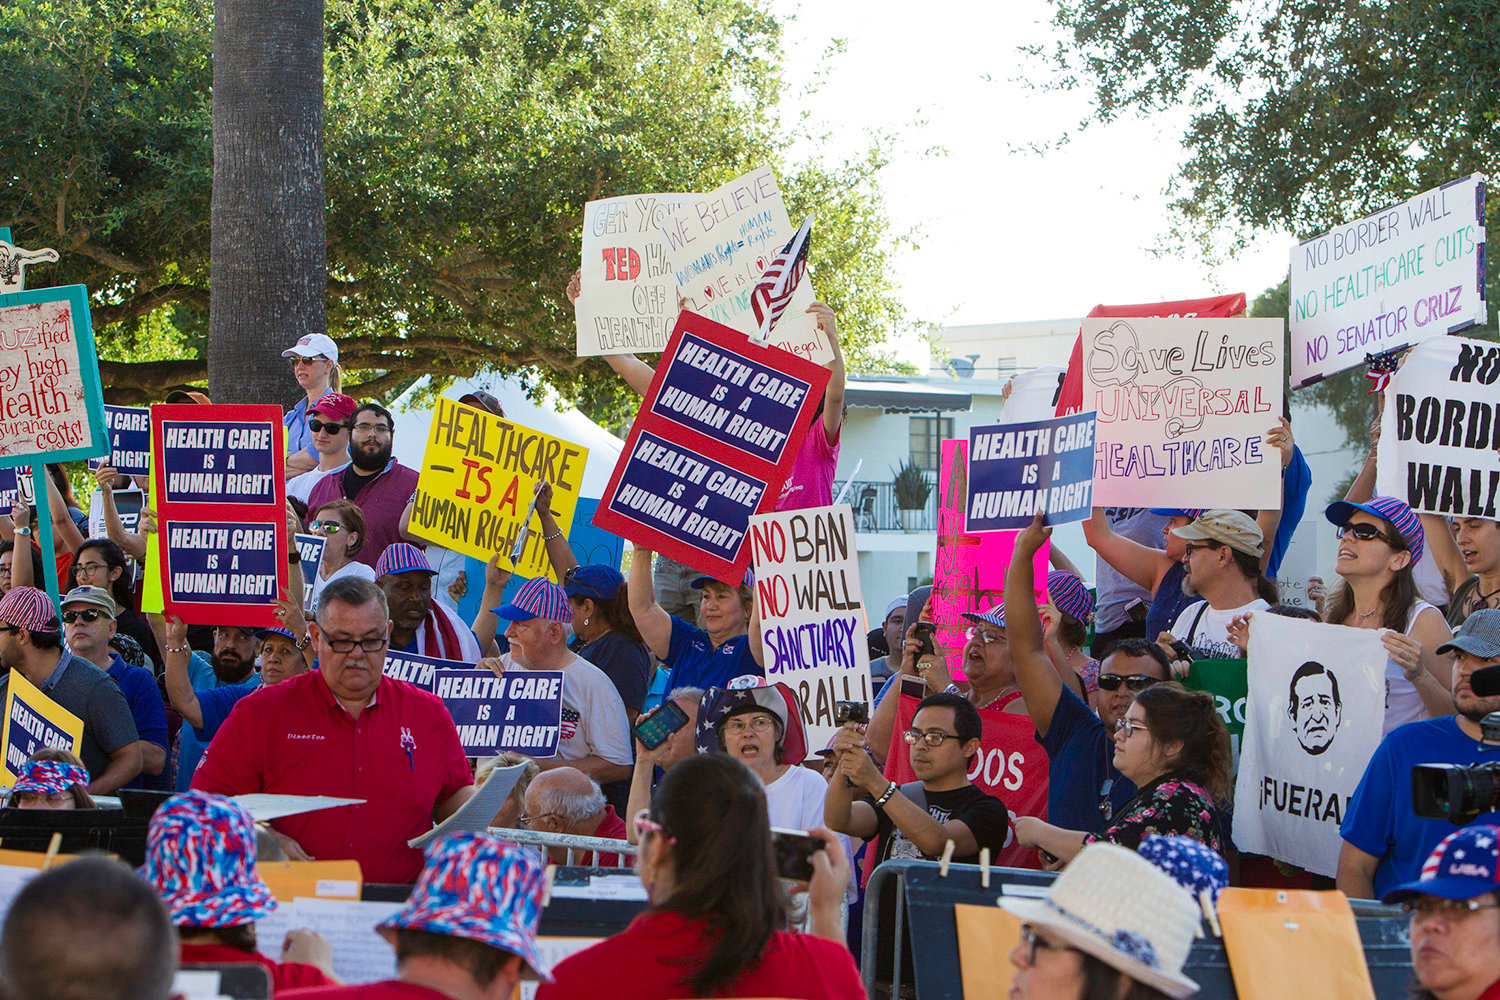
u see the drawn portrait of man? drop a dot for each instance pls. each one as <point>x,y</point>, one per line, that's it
<point>1314,707</point>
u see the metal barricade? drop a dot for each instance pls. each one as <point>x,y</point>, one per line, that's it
<point>583,851</point>
<point>909,912</point>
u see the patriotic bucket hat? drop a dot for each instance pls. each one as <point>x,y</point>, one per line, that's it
<point>48,777</point>
<point>200,859</point>
<point>1465,864</point>
<point>480,888</point>
<point>720,704</point>
<point>1070,596</point>
<point>1197,867</point>
<point>1401,516</point>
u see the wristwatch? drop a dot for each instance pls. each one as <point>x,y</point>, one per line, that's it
<point>305,641</point>
<point>24,532</point>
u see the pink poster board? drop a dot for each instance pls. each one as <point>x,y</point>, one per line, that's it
<point>969,574</point>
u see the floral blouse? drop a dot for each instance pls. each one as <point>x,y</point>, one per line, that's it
<point>1170,805</point>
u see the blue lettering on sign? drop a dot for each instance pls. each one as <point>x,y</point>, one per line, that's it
<point>520,711</point>
<point>731,398</point>
<point>211,562</point>
<point>30,732</point>
<point>218,461</point>
<point>1018,469</point>
<point>696,500</point>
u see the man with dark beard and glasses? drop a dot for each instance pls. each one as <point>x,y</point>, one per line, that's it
<point>379,484</point>
<point>1385,842</point>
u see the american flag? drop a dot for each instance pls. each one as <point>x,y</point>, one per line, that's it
<point>774,290</point>
<point>1382,367</point>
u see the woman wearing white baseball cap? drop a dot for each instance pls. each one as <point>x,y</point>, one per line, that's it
<point>315,366</point>
<point>1112,926</point>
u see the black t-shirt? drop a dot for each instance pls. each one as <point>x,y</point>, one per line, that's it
<point>984,815</point>
<point>627,664</point>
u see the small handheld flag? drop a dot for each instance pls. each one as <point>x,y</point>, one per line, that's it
<point>774,291</point>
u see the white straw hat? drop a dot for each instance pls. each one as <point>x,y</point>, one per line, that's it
<point>1115,905</point>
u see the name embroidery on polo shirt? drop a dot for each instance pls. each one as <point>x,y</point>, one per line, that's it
<point>306,736</point>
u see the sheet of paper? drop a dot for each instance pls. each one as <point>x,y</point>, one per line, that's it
<point>477,813</point>
<point>626,886</point>
<point>266,806</point>
<point>12,880</point>
<point>553,950</point>
<point>360,955</point>
<point>197,985</point>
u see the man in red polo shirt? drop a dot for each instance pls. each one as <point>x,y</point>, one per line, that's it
<point>346,730</point>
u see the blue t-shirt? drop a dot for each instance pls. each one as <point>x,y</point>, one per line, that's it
<point>661,686</point>
<point>1381,821</point>
<point>144,699</point>
<point>1294,488</point>
<point>1168,602</point>
<point>298,435</point>
<point>214,703</point>
<point>627,664</point>
<point>696,663</point>
<point>1082,772</point>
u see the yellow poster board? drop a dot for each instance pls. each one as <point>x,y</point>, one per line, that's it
<point>1264,926</point>
<point>317,879</point>
<point>479,475</point>
<point>986,935</point>
<point>33,721</point>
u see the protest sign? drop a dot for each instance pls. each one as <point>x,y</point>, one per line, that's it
<point>1010,765</point>
<point>812,616</point>
<point>520,711</point>
<point>128,429</point>
<point>15,488</point>
<point>128,504</point>
<point>628,296</point>
<point>1440,429</point>
<point>1315,709</point>
<point>969,571</point>
<point>1226,681</point>
<point>50,402</point>
<point>713,442</point>
<point>34,721</point>
<point>1033,395</point>
<point>220,495</point>
<point>479,475</point>
<point>310,548</point>
<point>1386,281</point>
<point>1182,409</point>
<point>722,242</point>
<point>418,670</point>
<point>1016,470</point>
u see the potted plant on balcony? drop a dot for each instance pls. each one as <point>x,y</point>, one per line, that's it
<point>912,490</point>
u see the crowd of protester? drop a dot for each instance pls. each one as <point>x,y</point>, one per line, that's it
<point>1089,678</point>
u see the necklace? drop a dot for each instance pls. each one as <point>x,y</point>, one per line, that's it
<point>1366,614</point>
<point>998,695</point>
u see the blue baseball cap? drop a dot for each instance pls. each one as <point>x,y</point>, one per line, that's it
<point>1192,512</point>
<point>598,582</point>
<point>266,633</point>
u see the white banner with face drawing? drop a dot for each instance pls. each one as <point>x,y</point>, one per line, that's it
<point>1312,721</point>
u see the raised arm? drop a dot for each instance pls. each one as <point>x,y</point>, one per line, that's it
<point>486,622</point>
<point>1445,551</point>
<point>651,618</point>
<point>133,544</point>
<point>1041,686</point>
<point>636,373</point>
<point>833,395</point>
<point>65,534</point>
<point>1280,438</point>
<point>174,657</point>
<point>1363,487</point>
<point>558,549</point>
<point>1141,564</point>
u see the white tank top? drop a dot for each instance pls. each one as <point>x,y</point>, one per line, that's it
<point>1402,703</point>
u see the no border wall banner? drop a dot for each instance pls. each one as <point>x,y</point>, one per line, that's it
<point>1386,281</point>
<point>713,442</point>
<point>628,299</point>
<point>1440,429</point>
<point>479,475</point>
<point>812,615</point>
<point>220,494</point>
<point>34,721</point>
<point>1182,408</point>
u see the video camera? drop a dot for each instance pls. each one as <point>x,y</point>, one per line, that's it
<point>1459,792</point>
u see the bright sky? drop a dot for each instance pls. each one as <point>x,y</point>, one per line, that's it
<point>1004,236</point>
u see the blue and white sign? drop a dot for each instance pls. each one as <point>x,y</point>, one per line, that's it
<point>418,670</point>
<point>520,711</point>
<point>218,461</point>
<point>1016,470</point>
<point>128,429</point>
<point>225,562</point>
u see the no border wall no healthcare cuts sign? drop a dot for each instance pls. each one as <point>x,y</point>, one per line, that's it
<point>50,403</point>
<point>1386,281</point>
<point>1182,407</point>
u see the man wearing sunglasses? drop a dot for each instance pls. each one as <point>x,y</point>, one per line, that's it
<point>328,425</point>
<point>1084,787</point>
<point>917,819</point>
<point>88,618</point>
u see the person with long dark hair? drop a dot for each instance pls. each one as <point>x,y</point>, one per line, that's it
<point>1173,745</point>
<point>716,917</point>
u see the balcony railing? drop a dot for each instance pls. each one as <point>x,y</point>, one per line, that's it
<point>875,508</point>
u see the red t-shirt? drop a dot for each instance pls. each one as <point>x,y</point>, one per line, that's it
<point>402,757</point>
<point>648,955</point>
<point>390,989</point>
<point>284,975</point>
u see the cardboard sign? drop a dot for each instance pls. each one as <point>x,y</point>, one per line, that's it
<point>50,402</point>
<point>1440,429</point>
<point>1182,410</point>
<point>1386,281</point>
<point>713,442</point>
<point>969,572</point>
<point>1226,681</point>
<point>34,721</point>
<point>721,244</point>
<point>479,475</point>
<point>418,670</point>
<point>519,712</point>
<point>1017,469</point>
<point>128,504</point>
<point>220,492</point>
<point>812,616</point>
<point>629,295</point>
<point>310,547</point>
<point>128,429</point>
<point>1316,705</point>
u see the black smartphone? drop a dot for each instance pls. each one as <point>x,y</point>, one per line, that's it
<point>924,631</point>
<point>652,730</point>
<point>794,851</point>
<point>851,711</point>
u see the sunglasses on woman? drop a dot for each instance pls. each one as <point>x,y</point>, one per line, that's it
<point>1364,531</point>
<point>327,527</point>
<point>1132,682</point>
